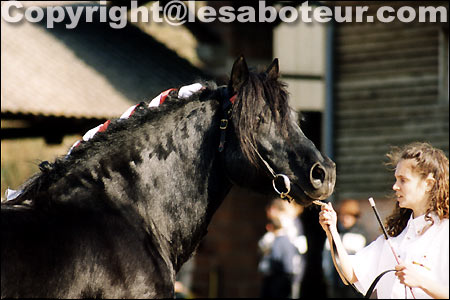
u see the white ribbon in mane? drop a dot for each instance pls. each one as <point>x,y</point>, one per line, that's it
<point>183,93</point>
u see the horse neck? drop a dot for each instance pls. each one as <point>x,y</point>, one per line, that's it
<point>182,182</point>
<point>163,171</point>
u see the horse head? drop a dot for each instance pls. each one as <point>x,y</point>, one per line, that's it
<point>265,140</point>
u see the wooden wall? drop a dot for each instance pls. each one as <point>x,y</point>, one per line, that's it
<point>388,92</point>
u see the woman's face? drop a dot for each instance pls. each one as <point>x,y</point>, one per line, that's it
<point>410,188</point>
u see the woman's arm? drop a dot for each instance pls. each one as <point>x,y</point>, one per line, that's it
<point>410,277</point>
<point>328,221</point>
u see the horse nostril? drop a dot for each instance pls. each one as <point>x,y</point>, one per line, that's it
<point>317,175</point>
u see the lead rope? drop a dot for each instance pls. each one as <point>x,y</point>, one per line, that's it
<point>333,249</point>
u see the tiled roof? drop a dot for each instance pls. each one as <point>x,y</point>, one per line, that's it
<point>92,71</point>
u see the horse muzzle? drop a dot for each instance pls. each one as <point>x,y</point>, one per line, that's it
<point>322,181</point>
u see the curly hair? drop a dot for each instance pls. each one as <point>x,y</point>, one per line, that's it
<point>428,160</point>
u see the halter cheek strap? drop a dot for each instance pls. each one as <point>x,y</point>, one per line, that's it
<point>226,116</point>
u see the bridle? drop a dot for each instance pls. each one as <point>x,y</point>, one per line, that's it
<point>227,106</point>
<point>286,180</point>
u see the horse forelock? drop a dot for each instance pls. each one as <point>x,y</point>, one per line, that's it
<point>260,97</point>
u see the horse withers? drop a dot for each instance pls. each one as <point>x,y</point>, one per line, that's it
<point>120,215</point>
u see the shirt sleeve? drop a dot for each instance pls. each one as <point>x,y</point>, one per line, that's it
<point>444,257</point>
<point>365,264</point>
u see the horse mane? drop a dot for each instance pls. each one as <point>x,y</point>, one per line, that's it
<point>259,86</point>
<point>51,172</point>
<point>249,98</point>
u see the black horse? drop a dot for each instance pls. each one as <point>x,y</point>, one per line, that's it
<point>120,215</point>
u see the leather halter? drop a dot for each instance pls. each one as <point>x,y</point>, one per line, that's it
<point>227,108</point>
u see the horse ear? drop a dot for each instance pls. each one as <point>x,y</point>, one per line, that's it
<point>273,70</point>
<point>239,74</point>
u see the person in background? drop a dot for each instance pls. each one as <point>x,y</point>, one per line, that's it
<point>282,247</point>
<point>297,236</point>
<point>418,230</point>
<point>353,238</point>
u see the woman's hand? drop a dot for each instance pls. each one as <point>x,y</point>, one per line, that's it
<point>328,218</point>
<point>328,221</point>
<point>408,276</point>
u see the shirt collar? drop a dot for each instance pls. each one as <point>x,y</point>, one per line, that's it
<point>418,224</point>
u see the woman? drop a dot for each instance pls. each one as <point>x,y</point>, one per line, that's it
<point>419,230</point>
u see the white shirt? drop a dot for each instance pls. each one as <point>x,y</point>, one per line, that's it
<point>430,249</point>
